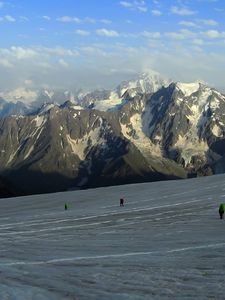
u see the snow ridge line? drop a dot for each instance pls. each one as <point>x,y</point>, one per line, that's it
<point>78,258</point>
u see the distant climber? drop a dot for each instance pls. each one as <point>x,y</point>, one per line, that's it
<point>221,210</point>
<point>65,206</point>
<point>121,202</point>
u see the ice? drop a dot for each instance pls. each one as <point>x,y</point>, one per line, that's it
<point>167,242</point>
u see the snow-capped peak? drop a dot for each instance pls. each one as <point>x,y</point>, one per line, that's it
<point>147,82</point>
<point>46,107</point>
<point>188,88</point>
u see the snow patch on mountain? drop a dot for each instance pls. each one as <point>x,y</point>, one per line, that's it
<point>111,102</point>
<point>79,146</point>
<point>188,88</point>
<point>46,107</point>
<point>198,106</point>
<point>29,152</point>
<point>190,148</point>
<point>40,120</point>
<point>77,107</point>
<point>217,131</point>
<point>39,131</point>
<point>133,132</point>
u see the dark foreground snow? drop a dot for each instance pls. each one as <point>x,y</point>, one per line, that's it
<point>166,243</point>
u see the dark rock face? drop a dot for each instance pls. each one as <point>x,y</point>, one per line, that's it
<point>175,132</point>
<point>7,189</point>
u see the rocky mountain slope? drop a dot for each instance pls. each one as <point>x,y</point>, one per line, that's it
<point>165,132</point>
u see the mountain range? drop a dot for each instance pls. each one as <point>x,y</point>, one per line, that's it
<point>146,129</point>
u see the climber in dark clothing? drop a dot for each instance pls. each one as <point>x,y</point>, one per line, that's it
<point>121,202</point>
<point>65,206</point>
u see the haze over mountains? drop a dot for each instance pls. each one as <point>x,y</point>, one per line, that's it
<point>147,129</point>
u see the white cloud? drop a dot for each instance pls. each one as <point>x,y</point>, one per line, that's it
<point>63,63</point>
<point>89,20</point>
<point>188,24</point>
<point>8,18</point>
<point>106,32</point>
<point>38,64</point>
<point>220,10</point>
<point>151,35</point>
<point>47,18</point>
<point>106,21</point>
<point>61,67</point>
<point>214,34</point>
<point>135,5</point>
<point>59,51</point>
<point>15,54</point>
<point>182,11</point>
<point>68,19</point>
<point>175,35</point>
<point>5,63</point>
<point>198,42</point>
<point>28,82</point>
<point>23,18</point>
<point>126,4</point>
<point>182,34</point>
<point>94,51</point>
<point>142,8</point>
<point>22,53</point>
<point>82,32</point>
<point>156,12</point>
<point>209,22</point>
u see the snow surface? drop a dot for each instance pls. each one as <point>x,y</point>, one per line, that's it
<point>166,243</point>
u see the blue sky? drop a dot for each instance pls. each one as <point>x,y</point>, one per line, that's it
<point>92,44</point>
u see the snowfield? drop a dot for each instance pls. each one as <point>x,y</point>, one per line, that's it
<point>167,242</point>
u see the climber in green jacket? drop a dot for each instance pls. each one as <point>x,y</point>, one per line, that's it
<point>221,210</point>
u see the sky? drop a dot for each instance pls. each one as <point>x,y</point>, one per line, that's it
<point>92,44</point>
